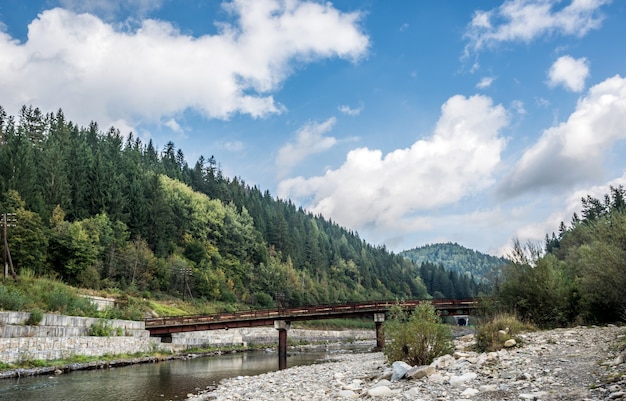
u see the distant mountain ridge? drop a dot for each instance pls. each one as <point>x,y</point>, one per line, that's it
<point>454,257</point>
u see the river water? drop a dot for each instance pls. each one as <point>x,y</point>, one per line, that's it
<point>171,380</point>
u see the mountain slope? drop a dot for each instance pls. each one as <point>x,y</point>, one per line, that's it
<point>454,257</point>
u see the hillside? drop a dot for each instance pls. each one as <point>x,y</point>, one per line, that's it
<point>103,210</point>
<point>457,258</point>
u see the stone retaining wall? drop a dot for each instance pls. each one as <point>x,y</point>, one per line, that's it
<point>12,324</point>
<point>14,350</point>
<point>58,337</point>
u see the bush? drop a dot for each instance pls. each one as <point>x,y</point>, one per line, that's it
<point>102,328</point>
<point>36,316</point>
<point>12,299</point>
<point>416,338</point>
<point>491,335</point>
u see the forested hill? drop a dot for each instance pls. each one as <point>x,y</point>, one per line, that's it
<point>457,258</point>
<point>104,210</point>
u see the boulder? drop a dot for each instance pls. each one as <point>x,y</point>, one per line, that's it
<point>510,343</point>
<point>462,379</point>
<point>379,391</point>
<point>399,369</point>
<point>418,372</point>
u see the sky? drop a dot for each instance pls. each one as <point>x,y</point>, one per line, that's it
<point>409,122</point>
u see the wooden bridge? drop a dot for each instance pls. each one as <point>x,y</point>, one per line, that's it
<point>281,318</point>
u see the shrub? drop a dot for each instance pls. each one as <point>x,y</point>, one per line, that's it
<point>12,299</point>
<point>102,328</point>
<point>36,316</point>
<point>416,338</point>
<point>491,335</point>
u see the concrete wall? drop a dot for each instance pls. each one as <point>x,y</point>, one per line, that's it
<point>262,335</point>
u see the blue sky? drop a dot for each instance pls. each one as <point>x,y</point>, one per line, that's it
<point>409,122</point>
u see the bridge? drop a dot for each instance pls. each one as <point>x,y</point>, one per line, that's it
<point>281,318</point>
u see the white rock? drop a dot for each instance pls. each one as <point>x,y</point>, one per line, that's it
<point>469,392</point>
<point>347,394</point>
<point>379,391</point>
<point>533,396</point>
<point>488,387</point>
<point>462,379</point>
<point>436,378</point>
<point>417,372</point>
<point>510,343</point>
<point>443,362</point>
<point>383,382</point>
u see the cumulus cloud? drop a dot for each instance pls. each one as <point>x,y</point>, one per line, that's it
<point>310,139</point>
<point>569,72</point>
<point>573,151</point>
<point>82,64</point>
<point>485,82</point>
<point>345,109</point>
<point>385,192</point>
<point>525,20</point>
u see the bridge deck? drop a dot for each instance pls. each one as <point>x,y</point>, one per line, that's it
<point>266,317</point>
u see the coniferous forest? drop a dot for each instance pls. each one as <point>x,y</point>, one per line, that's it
<point>100,209</point>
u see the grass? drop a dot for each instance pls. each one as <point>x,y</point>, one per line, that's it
<point>78,359</point>
<point>493,333</point>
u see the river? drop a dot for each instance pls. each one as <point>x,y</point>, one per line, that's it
<point>171,380</point>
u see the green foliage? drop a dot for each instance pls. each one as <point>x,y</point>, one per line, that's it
<point>103,328</point>
<point>456,258</point>
<point>36,316</point>
<point>539,291</point>
<point>494,332</point>
<point>12,299</point>
<point>417,338</point>
<point>104,211</point>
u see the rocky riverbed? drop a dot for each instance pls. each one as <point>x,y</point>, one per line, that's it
<point>582,363</point>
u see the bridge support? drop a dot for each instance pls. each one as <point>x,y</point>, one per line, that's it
<point>282,326</point>
<point>379,319</point>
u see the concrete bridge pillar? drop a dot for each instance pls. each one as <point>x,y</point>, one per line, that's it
<point>282,326</point>
<point>379,319</point>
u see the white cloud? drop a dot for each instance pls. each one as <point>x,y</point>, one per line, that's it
<point>385,192</point>
<point>573,152</point>
<point>310,139</point>
<point>83,65</point>
<point>485,82</point>
<point>569,72</point>
<point>525,20</point>
<point>345,109</point>
<point>173,125</point>
<point>518,106</point>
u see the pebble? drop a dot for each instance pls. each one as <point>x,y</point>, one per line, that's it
<point>543,366</point>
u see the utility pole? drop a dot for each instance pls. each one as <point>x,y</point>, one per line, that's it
<point>8,220</point>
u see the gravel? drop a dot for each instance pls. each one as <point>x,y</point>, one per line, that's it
<point>581,363</point>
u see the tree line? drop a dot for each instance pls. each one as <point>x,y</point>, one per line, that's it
<point>104,210</point>
<point>578,275</point>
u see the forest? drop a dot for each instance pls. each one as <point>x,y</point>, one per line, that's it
<point>579,275</point>
<point>456,258</point>
<point>99,209</point>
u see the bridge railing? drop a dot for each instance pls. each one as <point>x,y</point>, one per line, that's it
<point>316,310</point>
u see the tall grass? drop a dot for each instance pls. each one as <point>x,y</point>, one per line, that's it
<point>494,332</point>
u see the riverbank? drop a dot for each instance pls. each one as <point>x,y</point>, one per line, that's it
<point>582,363</point>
